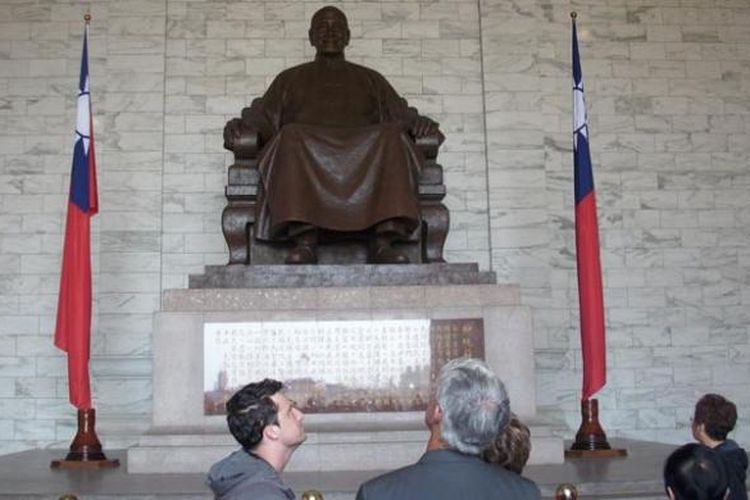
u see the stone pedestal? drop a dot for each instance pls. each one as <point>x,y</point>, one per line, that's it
<point>183,439</point>
<point>185,450</point>
<point>355,275</point>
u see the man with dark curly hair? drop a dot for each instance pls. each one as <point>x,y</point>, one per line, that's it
<point>269,428</point>
<point>714,418</point>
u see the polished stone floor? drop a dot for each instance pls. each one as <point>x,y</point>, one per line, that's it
<point>27,475</point>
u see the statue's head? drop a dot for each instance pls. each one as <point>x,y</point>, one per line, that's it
<point>329,31</point>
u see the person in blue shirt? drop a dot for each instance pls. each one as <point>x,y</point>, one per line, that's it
<point>714,418</point>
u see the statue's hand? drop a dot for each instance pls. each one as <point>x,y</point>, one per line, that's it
<point>424,127</point>
<point>232,132</point>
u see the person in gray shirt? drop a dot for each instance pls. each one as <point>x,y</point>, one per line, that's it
<point>469,409</point>
<point>269,428</point>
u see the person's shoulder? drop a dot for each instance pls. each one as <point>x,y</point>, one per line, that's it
<point>361,67</point>
<point>731,450</point>
<point>385,481</point>
<point>371,73</point>
<point>241,475</point>
<point>292,72</point>
<point>472,478</point>
<point>522,487</point>
<point>394,475</point>
<point>299,67</point>
<point>257,490</point>
<point>528,485</point>
<point>230,468</point>
<point>266,490</point>
<point>259,486</point>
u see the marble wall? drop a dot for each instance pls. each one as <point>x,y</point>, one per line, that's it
<point>40,51</point>
<point>668,88</point>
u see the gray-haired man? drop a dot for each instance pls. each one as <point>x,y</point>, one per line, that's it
<point>469,408</point>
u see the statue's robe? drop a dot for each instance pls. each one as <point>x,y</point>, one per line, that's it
<point>336,152</point>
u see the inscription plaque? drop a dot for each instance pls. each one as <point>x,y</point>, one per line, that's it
<point>337,366</point>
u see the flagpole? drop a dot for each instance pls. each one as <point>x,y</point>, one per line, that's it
<point>591,440</point>
<point>86,449</point>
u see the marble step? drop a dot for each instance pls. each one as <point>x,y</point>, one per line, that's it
<point>357,275</point>
<point>161,451</point>
<point>27,475</point>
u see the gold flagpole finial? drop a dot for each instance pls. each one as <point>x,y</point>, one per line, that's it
<point>573,15</point>
<point>87,17</point>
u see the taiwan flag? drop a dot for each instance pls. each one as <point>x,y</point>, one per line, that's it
<point>591,302</point>
<point>73,329</point>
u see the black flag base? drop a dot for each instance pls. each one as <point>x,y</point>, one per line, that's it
<point>591,441</point>
<point>85,450</point>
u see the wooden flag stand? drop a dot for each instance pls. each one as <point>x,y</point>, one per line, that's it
<point>591,441</point>
<point>85,450</point>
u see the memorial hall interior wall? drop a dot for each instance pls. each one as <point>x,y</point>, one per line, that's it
<point>668,92</point>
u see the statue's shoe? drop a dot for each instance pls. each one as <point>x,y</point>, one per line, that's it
<point>386,254</point>
<point>302,254</point>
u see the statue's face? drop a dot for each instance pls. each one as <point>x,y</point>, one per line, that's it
<point>329,32</point>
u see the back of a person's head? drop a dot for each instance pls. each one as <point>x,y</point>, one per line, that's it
<point>250,410</point>
<point>511,447</point>
<point>474,404</point>
<point>717,414</point>
<point>695,472</point>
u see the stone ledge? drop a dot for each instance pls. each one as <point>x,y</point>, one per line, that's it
<point>351,299</point>
<point>27,475</point>
<point>358,275</point>
<point>161,453</point>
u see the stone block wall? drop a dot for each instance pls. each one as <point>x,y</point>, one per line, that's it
<point>668,89</point>
<point>40,54</point>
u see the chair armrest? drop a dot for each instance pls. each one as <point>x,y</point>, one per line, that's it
<point>242,139</point>
<point>429,144</point>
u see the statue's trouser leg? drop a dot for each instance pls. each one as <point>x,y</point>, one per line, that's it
<point>305,238</point>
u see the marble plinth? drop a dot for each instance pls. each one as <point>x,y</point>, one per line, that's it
<point>281,276</point>
<point>180,428</point>
<point>27,475</point>
<point>171,450</point>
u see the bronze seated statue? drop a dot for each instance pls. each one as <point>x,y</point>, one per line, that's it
<point>332,166</point>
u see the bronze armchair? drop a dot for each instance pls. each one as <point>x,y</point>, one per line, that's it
<point>239,216</point>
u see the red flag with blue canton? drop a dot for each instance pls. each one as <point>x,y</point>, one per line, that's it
<point>590,299</point>
<point>73,329</point>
